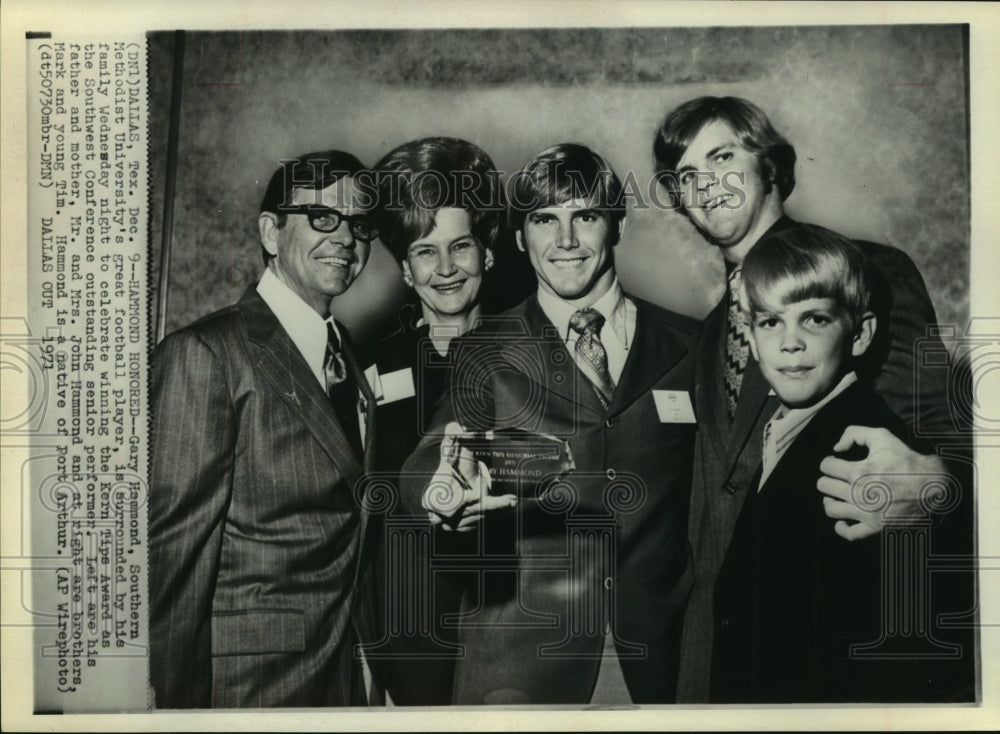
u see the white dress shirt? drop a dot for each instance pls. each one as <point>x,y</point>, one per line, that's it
<point>617,333</point>
<point>305,327</point>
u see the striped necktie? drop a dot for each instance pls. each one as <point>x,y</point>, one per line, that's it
<point>590,353</point>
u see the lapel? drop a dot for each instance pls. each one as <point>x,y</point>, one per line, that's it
<point>753,396</point>
<point>285,368</point>
<point>710,394</point>
<point>801,459</point>
<point>350,357</point>
<point>351,360</point>
<point>727,437</point>
<point>754,390</point>
<point>655,351</point>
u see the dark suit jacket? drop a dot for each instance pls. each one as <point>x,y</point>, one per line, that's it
<point>792,596</point>
<point>411,653</point>
<point>612,534</point>
<point>403,422</point>
<point>727,453</point>
<point>254,526</point>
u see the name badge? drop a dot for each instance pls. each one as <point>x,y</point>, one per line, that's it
<point>674,406</point>
<point>391,386</point>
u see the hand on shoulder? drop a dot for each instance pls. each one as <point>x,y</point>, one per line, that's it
<point>888,482</point>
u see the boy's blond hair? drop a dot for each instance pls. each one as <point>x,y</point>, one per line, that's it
<point>806,262</point>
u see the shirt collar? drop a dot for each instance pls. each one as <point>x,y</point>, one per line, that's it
<point>789,422</point>
<point>610,306</point>
<point>305,327</point>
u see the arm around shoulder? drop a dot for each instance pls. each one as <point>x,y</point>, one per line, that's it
<point>916,393</point>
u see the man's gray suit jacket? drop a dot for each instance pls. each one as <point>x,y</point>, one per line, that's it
<point>254,525</point>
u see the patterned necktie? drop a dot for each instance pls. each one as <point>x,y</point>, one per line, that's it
<point>737,344</point>
<point>590,352</point>
<point>342,389</point>
<point>334,369</point>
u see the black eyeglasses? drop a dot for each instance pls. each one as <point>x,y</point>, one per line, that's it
<point>326,220</point>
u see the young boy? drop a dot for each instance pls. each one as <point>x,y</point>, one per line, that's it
<point>793,597</point>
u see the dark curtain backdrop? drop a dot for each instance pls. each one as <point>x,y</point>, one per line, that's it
<point>878,116</point>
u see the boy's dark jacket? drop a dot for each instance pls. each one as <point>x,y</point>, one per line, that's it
<point>793,596</point>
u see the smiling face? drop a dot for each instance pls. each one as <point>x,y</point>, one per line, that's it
<point>317,266</point>
<point>446,266</point>
<point>805,347</point>
<point>725,192</point>
<point>570,248</point>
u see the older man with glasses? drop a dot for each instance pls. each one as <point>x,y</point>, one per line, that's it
<point>260,436</point>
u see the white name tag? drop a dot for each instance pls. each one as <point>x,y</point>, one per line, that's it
<point>674,406</point>
<point>392,386</point>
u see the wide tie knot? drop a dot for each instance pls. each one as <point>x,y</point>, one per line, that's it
<point>586,319</point>
<point>735,307</point>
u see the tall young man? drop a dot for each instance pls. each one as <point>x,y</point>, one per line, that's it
<point>581,579</point>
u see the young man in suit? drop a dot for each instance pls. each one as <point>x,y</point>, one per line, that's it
<point>258,444</point>
<point>798,609</point>
<point>729,172</point>
<point>581,580</point>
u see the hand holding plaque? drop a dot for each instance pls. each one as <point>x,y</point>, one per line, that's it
<point>458,496</point>
<point>521,463</point>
